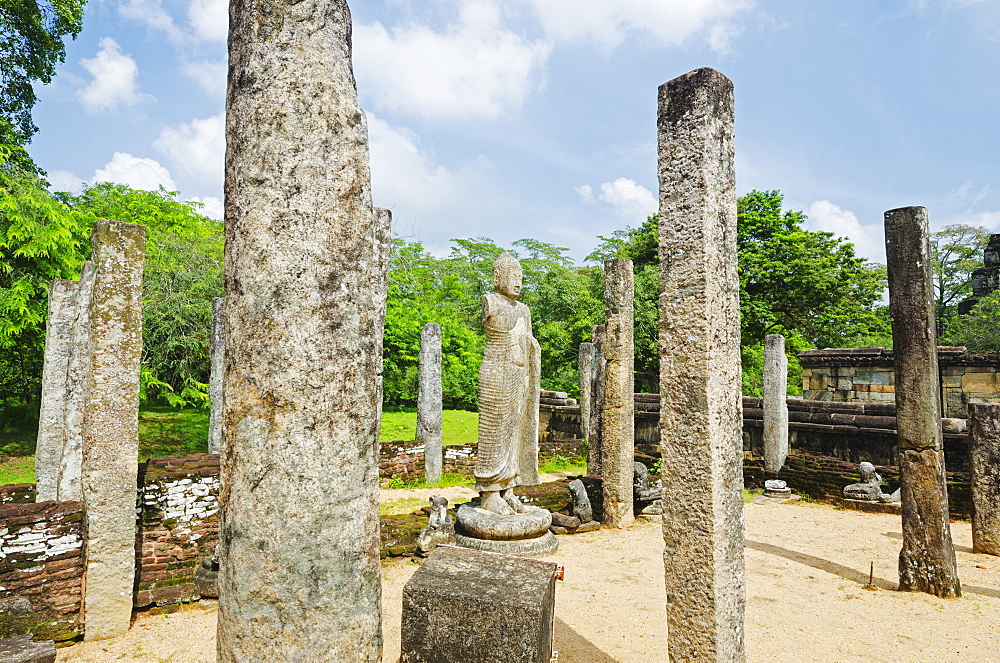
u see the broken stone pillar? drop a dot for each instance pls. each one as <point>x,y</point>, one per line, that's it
<point>585,368</point>
<point>217,351</point>
<point>299,572</point>
<point>594,452</point>
<point>65,380</point>
<point>927,560</point>
<point>429,399</point>
<point>984,468</point>
<point>618,417</point>
<point>701,415</point>
<point>111,427</point>
<point>775,406</point>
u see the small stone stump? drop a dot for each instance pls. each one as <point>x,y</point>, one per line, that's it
<point>474,607</point>
<point>776,491</point>
<point>22,649</point>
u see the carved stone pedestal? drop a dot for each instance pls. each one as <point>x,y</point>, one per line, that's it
<point>524,533</point>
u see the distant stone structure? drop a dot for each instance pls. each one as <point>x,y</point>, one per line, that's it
<point>429,399</point>
<point>775,407</point>
<point>986,279</point>
<point>700,418</point>
<point>927,559</point>
<point>867,375</point>
<point>984,468</point>
<point>618,408</point>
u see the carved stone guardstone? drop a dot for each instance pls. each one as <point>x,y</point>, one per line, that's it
<point>440,529</point>
<point>474,607</point>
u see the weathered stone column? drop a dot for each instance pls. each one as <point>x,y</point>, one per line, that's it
<point>775,406</point>
<point>216,353</point>
<point>594,446</point>
<point>299,528</point>
<point>618,419</point>
<point>585,369</point>
<point>984,468</point>
<point>701,414</point>
<point>429,399</point>
<point>382,250</point>
<point>111,427</point>
<point>927,560</point>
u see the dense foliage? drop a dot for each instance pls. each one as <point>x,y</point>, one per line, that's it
<point>957,251</point>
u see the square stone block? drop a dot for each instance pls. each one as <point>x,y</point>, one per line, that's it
<point>874,377</point>
<point>844,384</point>
<point>468,606</point>
<point>979,382</point>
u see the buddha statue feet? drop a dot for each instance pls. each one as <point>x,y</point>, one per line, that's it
<point>492,500</point>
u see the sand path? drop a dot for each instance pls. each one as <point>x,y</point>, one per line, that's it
<point>806,565</point>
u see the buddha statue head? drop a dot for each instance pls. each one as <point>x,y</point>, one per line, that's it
<point>507,275</point>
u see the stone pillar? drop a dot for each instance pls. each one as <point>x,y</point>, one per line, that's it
<point>984,468</point>
<point>927,560</point>
<point>382,248</point>
<point>299,530</point>
<point>775,406</point>
<point>217,352</point>
<point>594,448</point>
<point>111,427</point>
<point>701,414</point>
<point>585,368</point>
<point>618,425</point>
<point>429,399</point>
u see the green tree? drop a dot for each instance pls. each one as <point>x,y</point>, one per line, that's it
<point>979,330</point>
<point>31,45</point>
<point>957,251</point>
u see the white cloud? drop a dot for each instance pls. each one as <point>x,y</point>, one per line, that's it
<point>212,207</point>
<point>151,14</point>
<point>196,149</point>
<point>64,180</point>
<point>629,198</point>
<point>586,193</point>
<point>210,19</point>
<point>136,172</point>
<point>114,81</point>
<point>869,240</point>
<point>661,22</point>
<point>473,69</point>
<point>210,75</point>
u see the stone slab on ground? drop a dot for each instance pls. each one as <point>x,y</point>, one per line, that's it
<point>474,607</point>
<point>872,507</point>
<point>22,649</point>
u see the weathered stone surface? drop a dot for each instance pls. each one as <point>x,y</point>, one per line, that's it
<point>701,414</point>
<point>22,649</point>
<point>618,419</point>
<point>429,403</point>
<point>581,501</point>
<point>206,577</point>
<point>984,470</point>
<point>585,367</point>
<point>469,606</point>
<point>775,407</point>
<point>927,560</point>
<point>299,530</point>
<point>596,424</point>
<point>568,522</point>
<point>111,427</point>
<point>440,528</point>
<point>216,353</point>
<point>480,523</point>
<point>869,489</point>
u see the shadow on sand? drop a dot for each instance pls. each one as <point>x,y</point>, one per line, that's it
<point>574,647</point>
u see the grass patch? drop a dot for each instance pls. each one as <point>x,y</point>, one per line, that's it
<point>17,470</point>
<point>457,426</point>
<point>447,481</point>
<point>169,431</point>
<point>401,506</point>
<point>561,464</point>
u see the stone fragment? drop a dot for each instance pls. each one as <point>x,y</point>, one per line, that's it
<point>206,577</point>
<point>216,353</point>
<point>111,427</point>
<point>22,649</point>
<point>596,426</point>
<point>701,414</point>
<point>618,404</point>
<point>643,493</point>
<point>299,546</point>
<point>429,399</point>
<point>474,607</point>
<point>581,501</point>
<point>984,468</point>
<point>775,406</point>
<point>585,366</point>
<point>927,559</point>
<point>440,528</point>
<point>869,489</point>
<point>562,520</point>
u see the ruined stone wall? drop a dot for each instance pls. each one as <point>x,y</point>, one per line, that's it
<point>405,459</point>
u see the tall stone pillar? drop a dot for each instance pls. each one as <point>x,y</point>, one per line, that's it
<point>596,428</point>
<point>585,369</point>
<point>429,399</point>
<point>299,531</point>
<point>111,427</point>
<point>216,353</point>
<point>382,248</point>
<point>618,425</point>
<point>927,560</point>
<point>984,468</point>
<point>701,414</point>
<point>775,406</point>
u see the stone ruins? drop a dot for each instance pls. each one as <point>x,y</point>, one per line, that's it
<point>775,406</point>
<point>429,404</point>
<point>927,560</point>
<point>869,489</point>
<point>304,308</point>
<point>617,406</point>
<point>700,417</point>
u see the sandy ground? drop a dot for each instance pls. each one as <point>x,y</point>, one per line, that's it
<point>806,565</point>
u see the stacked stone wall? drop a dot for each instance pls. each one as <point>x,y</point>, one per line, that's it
<point>405,459</point>
<point>41,569</point>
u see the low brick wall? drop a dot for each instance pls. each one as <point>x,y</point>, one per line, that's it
<point>405,459</point>
<point>41,569</point>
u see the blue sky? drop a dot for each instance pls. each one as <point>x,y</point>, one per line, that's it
<point>536,118</point>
